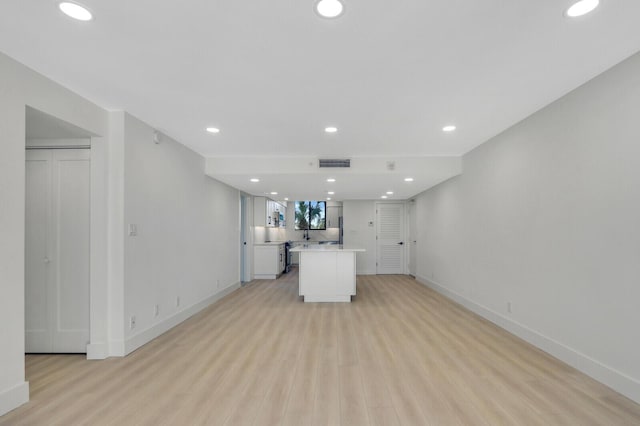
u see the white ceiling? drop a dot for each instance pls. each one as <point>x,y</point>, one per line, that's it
<point>272,74</point>
<point>299,178</point>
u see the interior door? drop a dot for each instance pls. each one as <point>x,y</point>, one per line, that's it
<point>412,244</point>
<point>245,270</point>
<point>390,233</point>
<point>37,248</point>
<point>57,250</point>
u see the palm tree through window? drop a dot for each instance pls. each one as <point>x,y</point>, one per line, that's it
<point>311,215</point>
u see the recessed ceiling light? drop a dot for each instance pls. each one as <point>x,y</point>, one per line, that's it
<point>213,130</point>
<point>328,198</point>
<point>389,192</point>
<point>408,179</point>
<point>255,180</point>
<point>384,196</point>
<point>330,192</point>
<point>331,180</point>
<point>274,193</point>
<point>286,198</point>
<point>449,128</point>
<point>75,11</point>
<point>330,129</point>
<point>329,8</point>
<point>581,7</point>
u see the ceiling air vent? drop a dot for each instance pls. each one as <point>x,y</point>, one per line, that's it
<point>331,162</point>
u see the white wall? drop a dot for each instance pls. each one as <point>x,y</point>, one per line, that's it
<point>545,216</point>
<point>19,86</point>
<point>358,233</point>
<point>188,234</point>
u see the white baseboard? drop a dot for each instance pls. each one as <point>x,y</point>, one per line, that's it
<point>616,380</point>
<point>14,397</point>
<point>265,277</point>
<point>116,348</point>
<point>145,336</point>
<point>97,351</point>
<point>330,298</point>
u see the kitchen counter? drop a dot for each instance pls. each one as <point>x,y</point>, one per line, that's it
<point>270,243</point>
<point>327,272</point>
<point>324,247</point>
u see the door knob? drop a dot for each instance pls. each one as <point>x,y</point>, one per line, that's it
<point>401,243</point>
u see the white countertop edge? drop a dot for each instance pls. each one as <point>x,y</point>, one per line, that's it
<point>272,243</point>
<point>325,247</point>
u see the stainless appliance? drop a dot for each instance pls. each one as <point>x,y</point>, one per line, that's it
<point>340,231</point>
<point>287,256</point>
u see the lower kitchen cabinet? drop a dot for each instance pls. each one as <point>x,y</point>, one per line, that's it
<point>268,261</point>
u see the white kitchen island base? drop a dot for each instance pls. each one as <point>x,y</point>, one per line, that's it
<point>327,273</point>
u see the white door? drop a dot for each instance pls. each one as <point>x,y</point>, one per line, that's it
<point>412,244</point>
<point>57,250</point>
<point>390,238</point>
<point>245,264</point>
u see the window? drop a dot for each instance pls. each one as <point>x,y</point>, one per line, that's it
<point>311,215</point>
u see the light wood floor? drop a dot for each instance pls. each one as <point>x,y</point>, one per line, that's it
<point>400,354</point>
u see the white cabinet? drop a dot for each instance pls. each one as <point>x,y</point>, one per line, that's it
<point>333,215</point>
<point>260,212</point>
<point>268,261</point>
<point>327,274</point>
<point>267,212</point>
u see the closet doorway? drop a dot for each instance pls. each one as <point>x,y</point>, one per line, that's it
<point>57,243</point>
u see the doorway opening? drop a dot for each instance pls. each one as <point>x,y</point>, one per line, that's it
<point>57,235</point>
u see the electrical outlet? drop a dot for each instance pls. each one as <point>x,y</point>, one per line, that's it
<point>156,310</point>
<point>132,322</point>
<point>177,301</point>
<point>133,230</point>
<point>509,307</point>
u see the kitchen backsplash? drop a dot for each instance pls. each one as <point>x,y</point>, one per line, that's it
<point>262,234</point>
<point>330,234</point>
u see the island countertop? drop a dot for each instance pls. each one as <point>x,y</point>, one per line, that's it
<point>325,248</point>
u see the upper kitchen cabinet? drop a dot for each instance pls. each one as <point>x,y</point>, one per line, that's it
<point>267,212</point>
<point>333,215</point>
<point>261,215</point>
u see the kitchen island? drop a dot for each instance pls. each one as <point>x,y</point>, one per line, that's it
<point>327,272</point>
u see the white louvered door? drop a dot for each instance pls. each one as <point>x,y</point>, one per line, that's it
<point>390,238</point>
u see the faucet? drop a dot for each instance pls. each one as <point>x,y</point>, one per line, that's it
<point>306,235</point>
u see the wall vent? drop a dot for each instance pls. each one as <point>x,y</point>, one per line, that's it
<point>332,162</point>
